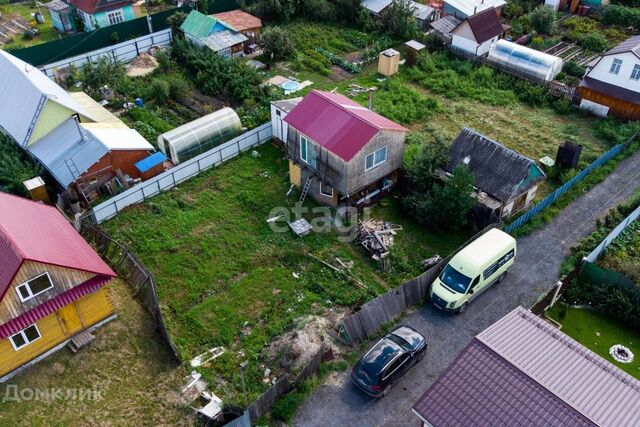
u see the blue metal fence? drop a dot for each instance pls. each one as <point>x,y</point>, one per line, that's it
<point>566,186</point>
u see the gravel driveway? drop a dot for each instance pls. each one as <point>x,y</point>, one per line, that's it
<point>540,255</point>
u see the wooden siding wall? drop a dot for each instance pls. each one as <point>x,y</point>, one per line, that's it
<point>63,279</point>
<point>91,309</point>
<point>119,159</point>
<point>617,107</point>
<point>359,178</point>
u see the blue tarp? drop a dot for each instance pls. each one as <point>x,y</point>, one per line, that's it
<point>149,162</point>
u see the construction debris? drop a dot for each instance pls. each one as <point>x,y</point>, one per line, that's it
<point>355,90</point>
<point>377,237</point>
<point>430,262</point>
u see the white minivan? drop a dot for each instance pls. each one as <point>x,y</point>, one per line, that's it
<point>473,270</point>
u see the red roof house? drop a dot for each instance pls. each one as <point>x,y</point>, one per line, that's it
<point>51,282</point>
<point>340,150</point>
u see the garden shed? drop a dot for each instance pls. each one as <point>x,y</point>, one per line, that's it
<point>200,135</point>
<point>524,62</point>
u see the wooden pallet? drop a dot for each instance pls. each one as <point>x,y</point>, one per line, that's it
<point>81,340</point>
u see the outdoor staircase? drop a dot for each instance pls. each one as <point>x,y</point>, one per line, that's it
<point>305,189</point>
<point>81,340</point>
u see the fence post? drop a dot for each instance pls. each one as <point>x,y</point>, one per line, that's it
<point>556,293</point>
<point>136,45</point>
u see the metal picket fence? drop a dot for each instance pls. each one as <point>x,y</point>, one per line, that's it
<point>188,169</point>
<point>551,198</point>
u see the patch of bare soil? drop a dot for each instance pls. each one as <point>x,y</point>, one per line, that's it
<point>201,103</point>
<point>294,350</point>
<point>144,64</point>
<point>339,75</point>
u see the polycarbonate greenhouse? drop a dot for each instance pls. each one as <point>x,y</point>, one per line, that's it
<point>200,135</point>
<point>525,62</point>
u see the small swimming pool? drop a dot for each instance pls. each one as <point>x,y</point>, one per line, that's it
<point>290,85</point>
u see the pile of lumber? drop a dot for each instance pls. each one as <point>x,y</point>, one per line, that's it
<point>377,237</point>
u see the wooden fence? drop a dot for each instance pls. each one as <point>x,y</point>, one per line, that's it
<point>364,323</point>
<point>130,269</point>
<point>284,385</point>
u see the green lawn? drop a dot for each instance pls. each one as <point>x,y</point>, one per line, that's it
<point>23,11</point>
<point>598,332</point>
<point>226,278</point>
<point>128,364</point>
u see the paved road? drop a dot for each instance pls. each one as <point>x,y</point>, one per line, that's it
<point>540,255</point>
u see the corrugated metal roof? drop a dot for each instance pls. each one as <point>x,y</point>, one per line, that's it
<point>338,123</point>
<point>485,25</point>
<point>480,388</point>
<point>470,7</point>
<point>116,138</point>
<point>590,384</point>
<point>92,6</point>
<point>58,6</point>
<point>97,111</point>
<point>221,40</point>
<point>421,11</point>
<point>54,304</point>
<point>497,170</point>
<point>22,87</point>
<point>34,231</point>
<point>287,105</point>
<point>198,24</point>
<point>632,44</point>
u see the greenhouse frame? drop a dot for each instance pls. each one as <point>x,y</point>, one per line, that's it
<point>200,135</point>
<point>524,62</point>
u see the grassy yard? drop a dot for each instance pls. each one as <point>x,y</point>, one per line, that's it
<point>24,11</point>
<point>127,363</point>
<point>598,332</point>
<point>226,278</point>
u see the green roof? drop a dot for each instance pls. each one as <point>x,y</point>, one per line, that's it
<point>198,24</point>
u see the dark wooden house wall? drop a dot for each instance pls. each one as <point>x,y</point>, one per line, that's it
<point>617,107</point>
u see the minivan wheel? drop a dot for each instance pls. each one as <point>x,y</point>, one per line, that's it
<point>463,308</point>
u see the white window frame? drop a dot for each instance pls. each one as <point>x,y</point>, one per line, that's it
<point>375,164</point>
<point>24,336</point>
<point>322,193</point>
<point>635,73</point>
<point>115,17</point>
<point>615,66</point>
<point>304,154</point>
<point>28,287</point>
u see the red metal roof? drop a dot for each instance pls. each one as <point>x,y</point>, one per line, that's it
<point>48,307</point>
<point>37,232</point>
<point>239,20</point>
<point>338,123</point>
<point>92,6</point>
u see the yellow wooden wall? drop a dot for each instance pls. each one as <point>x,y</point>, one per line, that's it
<point>91,309</point>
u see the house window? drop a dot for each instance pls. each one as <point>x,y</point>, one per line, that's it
<point>34,287</point>
<point>615,66</point>
<point>25,337</point>
<point>326,190</point>
<point>376,158</point>
<point>635,74</point>
<point>115,17</point>
<point>307,151</point>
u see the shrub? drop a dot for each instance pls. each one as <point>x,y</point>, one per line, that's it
<point>399,21</point>
<point>543,20</point>
<point>621,15</point>
<point>317,10</point>
<point>276,43</point>
<point>348,10</point>
<point>574,69</point>
<point>28,35</point>
<point>159,90</point>
<point>178,87</point>
<point>103,72</point>
<point>594,42</point>
<point>114,37</point>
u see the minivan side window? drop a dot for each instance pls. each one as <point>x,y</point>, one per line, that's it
<point>496,265</point>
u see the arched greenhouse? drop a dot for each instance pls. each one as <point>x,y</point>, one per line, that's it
<point>200,135</point>
<point>523,61</point>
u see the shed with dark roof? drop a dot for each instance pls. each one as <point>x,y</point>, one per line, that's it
<point>502,378</point>
<point>504,179</point>
<point>476,33</point>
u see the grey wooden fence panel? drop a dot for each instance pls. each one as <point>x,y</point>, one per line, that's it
<point>266,401</point>
<point>595,254</point>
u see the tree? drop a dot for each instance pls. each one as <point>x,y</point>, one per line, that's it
<point>399,20</point>
<point>448,205</point>
<point>348,10</point>
<point>276,43</point>
<point>421,169</point>
<point>543,20</point>
<point>274,10</point>
<point>317,10</point>
<point>104,71</point>
<point>175,21</point>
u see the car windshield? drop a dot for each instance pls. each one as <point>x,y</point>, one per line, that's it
<point>454,280</point>
<point>401,342</point>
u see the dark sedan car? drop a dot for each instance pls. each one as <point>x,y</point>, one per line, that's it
<point>388,361</point>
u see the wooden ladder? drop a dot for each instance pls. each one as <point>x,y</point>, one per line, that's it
<point>80,340</point>
<point>305,189</point>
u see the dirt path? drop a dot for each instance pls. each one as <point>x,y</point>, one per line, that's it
<point>540,255</point>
